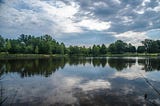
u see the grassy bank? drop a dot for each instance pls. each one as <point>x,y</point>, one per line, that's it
<point>28,56</point>
<point>134,55</point>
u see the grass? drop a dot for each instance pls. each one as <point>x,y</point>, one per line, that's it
<point>28,56</point>
<point>4,55</point>
<point>134,55</point>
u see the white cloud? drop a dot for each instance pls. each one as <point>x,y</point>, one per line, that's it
<point>62,92</point>
<point>153,34</point>
<point>62,16</point>
<point>140,11</point>
<point>100,4</point>
<point>127,19</point>
<point>154,76</point>
<point>131,73</point>
<point>134,38</point>
<point>60,11</point>
<point>93,85</point>
<point>156,9</point>
<point>145,1</point>
<point>117,1</point>
<point>51,17</point>
<point>93,24</point>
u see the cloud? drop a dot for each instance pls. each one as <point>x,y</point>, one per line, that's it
<point>94,24</point>
<point>134,38</point>
<point>145,2</point>
<point>77,17</point>
<point>153,34</point>
<point>44,17</point>
<point>154,76</point>
<point>95,85</point>
<point>131,73</point>
<point>87,38</point>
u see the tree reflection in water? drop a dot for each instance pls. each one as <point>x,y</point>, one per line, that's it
<point>45,67</point>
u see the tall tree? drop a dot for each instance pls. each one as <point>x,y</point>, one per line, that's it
<point>8,45</point>
<point>112,48</point>
<point>103,49</point>
<point>141,49</point>
<point>95,50</point>
<point>118,47</point>
<point>131,48</point>
<point>36,50</point>
<point>151,46</point>
<point>2,42</point>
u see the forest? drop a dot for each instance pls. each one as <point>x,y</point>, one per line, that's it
<point>27,44</point>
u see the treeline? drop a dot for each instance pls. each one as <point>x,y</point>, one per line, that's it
<point>27,44</point>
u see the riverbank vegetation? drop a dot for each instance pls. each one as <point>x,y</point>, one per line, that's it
<point>27,45</point>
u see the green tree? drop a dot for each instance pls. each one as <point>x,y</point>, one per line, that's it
<point>151,46</point>
<point>36,50</point>
<point>29,49</point>
<point>74,50</point>
<point>158,44</point>
<point>95,50</point>
<point>118,47</point>
<point>112,48</point>
<point>103,49</point>
<point>62,48</point>
<point>2,42</point>
<point>131,48</point>
<point>141,49</point>
<point>15,46</point>
<point>8,45</point>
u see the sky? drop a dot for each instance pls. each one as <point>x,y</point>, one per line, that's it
<point>82,22</point>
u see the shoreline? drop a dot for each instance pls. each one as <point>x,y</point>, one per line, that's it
<point>29,56</point>
<point>38,56</point>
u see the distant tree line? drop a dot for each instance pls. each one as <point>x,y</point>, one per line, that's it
<point>27,44</point>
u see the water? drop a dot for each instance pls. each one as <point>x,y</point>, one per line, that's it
<point>80,82</point>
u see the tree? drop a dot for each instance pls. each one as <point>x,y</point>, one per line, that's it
<point>15,46</point>
<point>95,50</point>
<point>62,48</point>
<point>103,49</point>
<point>29,49</point>
<point>23,38</point>
<point>158,44</point>
<point>131,48</point>
<point>151,46</point>
<point>140,49</point>
<point>89,51</point>
<point>47,38</point>
<point>2,42</point>
<point>74,50</point>
<point>112,48</point>
<point>36,50</point>
<point>47,45</point>
<point>8,45</point>
<point>118,47</point>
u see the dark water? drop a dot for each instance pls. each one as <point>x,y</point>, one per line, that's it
<point>80,82</point>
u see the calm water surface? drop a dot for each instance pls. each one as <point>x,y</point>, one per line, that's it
<point>80,82</point>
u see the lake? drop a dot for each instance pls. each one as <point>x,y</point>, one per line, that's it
<point>80,81</point>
